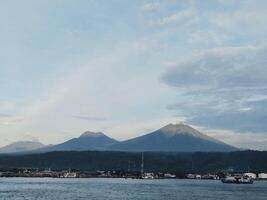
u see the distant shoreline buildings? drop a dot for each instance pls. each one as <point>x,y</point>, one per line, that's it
<point>48,173</point>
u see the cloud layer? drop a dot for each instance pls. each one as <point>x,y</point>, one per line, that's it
<point>223,88</point>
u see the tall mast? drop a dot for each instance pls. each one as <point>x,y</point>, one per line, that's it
<point>142,164</point>
<point>129,165</point>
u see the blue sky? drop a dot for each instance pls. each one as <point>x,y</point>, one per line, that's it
<point>129,67</point>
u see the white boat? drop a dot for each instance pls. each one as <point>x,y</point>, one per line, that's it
<point>237,179</point>
<point>193,176</point>
<point>148,176</point>
<point>169,176</point>
<point>145,175</point>
<point>70,175</point>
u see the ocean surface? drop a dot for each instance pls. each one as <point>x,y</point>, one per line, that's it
<point>95,189</point>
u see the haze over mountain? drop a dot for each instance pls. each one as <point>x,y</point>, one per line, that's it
<point>87,141</point>
<point>174,138</point>
<point>21,146</point>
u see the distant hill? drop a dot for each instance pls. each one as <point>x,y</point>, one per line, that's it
<point>21,146</point>
<point>87,141</point>
<point>197,162</point>
<point>173,138</point>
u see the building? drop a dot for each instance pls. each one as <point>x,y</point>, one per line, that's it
<point>251,175</point>
<point>262,176</point>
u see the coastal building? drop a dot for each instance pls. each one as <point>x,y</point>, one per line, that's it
<point>262,176</point>
<point>251,175</point>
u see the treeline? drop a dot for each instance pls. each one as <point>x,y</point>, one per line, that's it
<point>255,161</point>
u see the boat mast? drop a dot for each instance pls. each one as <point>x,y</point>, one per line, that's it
<point>129,165</point>
<point>142,164</point>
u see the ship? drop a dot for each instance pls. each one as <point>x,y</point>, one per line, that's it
<point>238,179</point>
<point>69,174</point>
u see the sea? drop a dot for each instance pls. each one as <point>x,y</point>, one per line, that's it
<point>124,189</point>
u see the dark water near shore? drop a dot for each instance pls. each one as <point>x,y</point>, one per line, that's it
<point>95,189</point>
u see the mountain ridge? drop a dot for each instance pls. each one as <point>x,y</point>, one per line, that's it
<point>86,141</point>
<point>19,146</point>
<point>170,138</point>
<point>173,138</point>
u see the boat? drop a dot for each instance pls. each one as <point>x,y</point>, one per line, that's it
<point>148,176</point>
<point>169,176</point>
<point>69,175</point>
<point>193,176</point>
<point>237,180</point>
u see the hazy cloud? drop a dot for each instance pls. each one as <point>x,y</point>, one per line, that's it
<point>243,140</point>
<point>222,68</point>
<point>7,119</point>
<point>89,118</point>
<point>178,17</point>
<point>29,137</point>
<point>3,115</point>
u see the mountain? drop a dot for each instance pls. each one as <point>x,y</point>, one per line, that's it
<point>171,138</point>
<point>87,141</point>
<point>174,138</point>
<point>21,146</point>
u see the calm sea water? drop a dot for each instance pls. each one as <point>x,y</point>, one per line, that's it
<point>95,189</point>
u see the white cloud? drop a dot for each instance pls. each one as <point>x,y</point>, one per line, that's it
<point>206,38</point>
<point>222,68</point>
<point>247,20</point>
<point>137,127</point>
<point>89,118</point>
<point>150,6</point>
<point>184,16</point>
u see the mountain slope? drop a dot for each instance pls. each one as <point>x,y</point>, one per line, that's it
<point>21,146</point>
<point>174,138</point>
<point>87,141</point>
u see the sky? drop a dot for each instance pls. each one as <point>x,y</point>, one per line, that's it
<point>127,68</point>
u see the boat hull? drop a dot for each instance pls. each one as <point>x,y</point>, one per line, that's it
<point>237,181</point>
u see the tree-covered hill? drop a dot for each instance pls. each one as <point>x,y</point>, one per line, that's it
<point>107,160</point>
